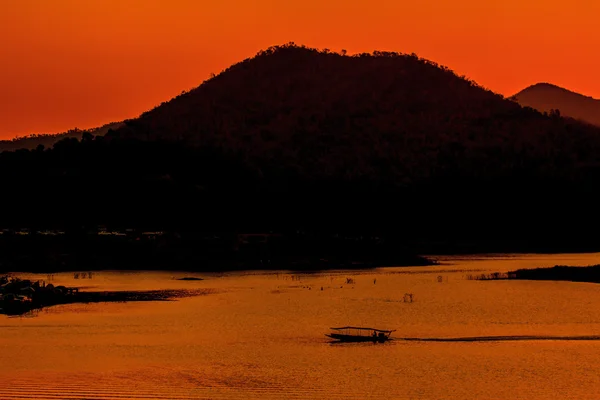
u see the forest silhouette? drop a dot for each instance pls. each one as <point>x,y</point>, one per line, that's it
<point>49,139</point>
<point>295,139</point>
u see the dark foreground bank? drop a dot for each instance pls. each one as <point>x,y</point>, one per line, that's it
<point>557,273</point>
<point>50,251</point>
<point>34,250</point>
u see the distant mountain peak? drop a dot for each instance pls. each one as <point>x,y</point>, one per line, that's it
<point>547,96</point>
<point>552,87</point>
<point>545,85</point>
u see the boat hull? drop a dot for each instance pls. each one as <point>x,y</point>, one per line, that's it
<point>355,338</point>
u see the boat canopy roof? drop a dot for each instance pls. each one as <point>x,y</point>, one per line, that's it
<point>361,328</point>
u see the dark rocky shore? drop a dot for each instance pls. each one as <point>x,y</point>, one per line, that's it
<point>19,296</point>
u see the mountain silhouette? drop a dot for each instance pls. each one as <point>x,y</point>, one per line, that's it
<point>546,97</point>
<point>382,116</point>
<point>296,138</point>
<point>331,115</point>
<point>48,139</point>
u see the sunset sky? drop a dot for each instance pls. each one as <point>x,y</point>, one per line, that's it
<point>83,63</point>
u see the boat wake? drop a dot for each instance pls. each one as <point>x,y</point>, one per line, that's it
<point>499,338</point>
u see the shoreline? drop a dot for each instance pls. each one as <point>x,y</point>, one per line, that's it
<point>216,266</point>
<point>48,296</point>
<point>57,251</point>
<point>200,252</point>
<point>21,296</point>
<point>558,273</point>
<point>296,268</point>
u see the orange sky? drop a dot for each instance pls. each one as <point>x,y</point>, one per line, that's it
<point>82,63</point>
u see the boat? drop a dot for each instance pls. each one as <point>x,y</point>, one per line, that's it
<point>360,334</point>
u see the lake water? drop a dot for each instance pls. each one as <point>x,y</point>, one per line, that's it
<point>261,335</point>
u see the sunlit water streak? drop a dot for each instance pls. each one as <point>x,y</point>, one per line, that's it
<point>499,338</point>
<point>261,335</point>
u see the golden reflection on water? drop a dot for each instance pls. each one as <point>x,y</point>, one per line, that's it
<point>261,335</point>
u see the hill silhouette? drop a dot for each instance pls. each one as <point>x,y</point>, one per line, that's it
<point>300,140</point>
<point>384,115</point>
<point>546,97</point>
<point>48,139</point>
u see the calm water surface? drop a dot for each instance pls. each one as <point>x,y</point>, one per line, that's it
<point>261,335</point>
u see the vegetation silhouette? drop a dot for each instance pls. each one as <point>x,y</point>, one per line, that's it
<point>349,160</point>
<point>549,98</point>
<point>47,140</point>
<point>561,273</point>
<point>589,274</point>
